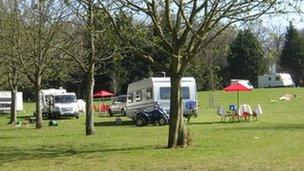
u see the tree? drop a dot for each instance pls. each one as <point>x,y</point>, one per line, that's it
<point>96,47</point>
<point>246,59</point>
<point>272,39</point>
<point>208,67</point>
<point>292,57</point>
<point>191,26</point>
<point>41,51</point>
<point>11,41</point>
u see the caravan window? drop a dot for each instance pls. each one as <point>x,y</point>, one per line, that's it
<point>165,93</point>
<point>277,78</point>
<point>149,94</point>
<point>5,99</point>
<point>130,97</point>
<point>138,96</point>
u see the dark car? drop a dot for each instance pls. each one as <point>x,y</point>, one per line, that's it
<point>157,116</point>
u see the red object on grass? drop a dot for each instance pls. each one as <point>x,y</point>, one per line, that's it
<point>103,93</point>
<point>245,114</point>
<point>101,108</point>
<point>104,107</point>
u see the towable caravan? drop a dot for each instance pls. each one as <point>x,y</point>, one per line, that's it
<point>6,101</point>
<point>275,80</point>
<point>145,94</point>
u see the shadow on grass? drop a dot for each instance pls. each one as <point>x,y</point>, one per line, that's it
<point>52,152</point>
<point>32,136</point>
<point>113,123</point>
<point>4,115</point>
<point>108,116</point>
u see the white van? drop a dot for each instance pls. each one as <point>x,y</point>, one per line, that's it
<point>275,80</point>
<point>144,94</point>
<point>6,101</point>
<point>58,102</point>
<point>245,83</point>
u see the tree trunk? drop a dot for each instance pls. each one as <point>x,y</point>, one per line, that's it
<point>14,89</point>
<point>38,112</point>
<point>176,125</point>
<point>91,70</point>
<point>13,119</point>
<point>89,102</point>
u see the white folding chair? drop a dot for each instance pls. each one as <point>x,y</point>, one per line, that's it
<point>223,113</point>
<point>257,112</point>
<point>245,111</point>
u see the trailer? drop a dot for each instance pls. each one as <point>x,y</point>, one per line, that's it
<point>149,92</point>
<point>6,101</point>
<point>275,80</point>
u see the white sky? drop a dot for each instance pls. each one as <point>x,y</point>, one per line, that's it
<point>283,21</point>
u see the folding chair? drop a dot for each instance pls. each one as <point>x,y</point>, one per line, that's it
<point>245,111</point>
<point>257,112</point>
<point>223,113</point>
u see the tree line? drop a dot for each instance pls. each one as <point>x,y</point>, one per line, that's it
<point>84,45</point>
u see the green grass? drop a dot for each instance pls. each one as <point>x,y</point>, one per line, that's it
<point>275,142</point>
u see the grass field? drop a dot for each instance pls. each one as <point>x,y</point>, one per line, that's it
<point>275,142</point>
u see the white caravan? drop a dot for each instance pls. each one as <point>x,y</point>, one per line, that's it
<point>6,101</point>
<point>275,80</point>
<point>145,94</point>
<point>57,103</point>
<point>245,83</point>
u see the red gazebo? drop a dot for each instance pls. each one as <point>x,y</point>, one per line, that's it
<point>103,93</point>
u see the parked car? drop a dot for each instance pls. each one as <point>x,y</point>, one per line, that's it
<point>157,116</point>
<point>118,105</point>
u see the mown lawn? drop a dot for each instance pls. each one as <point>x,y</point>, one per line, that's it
<point>275,142</point>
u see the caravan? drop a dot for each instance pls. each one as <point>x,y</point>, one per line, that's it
<point>275,80</point>
<point>145,94</point>
<point>6,101</point>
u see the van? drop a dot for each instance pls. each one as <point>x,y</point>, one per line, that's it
<point>59,103</point>
<point>6,101</point>
<point>145,94</point>
<point>245,83</point>
<point>275,80</point>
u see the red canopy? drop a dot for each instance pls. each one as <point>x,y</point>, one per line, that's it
<point>103,93</point>
<point>237,87</point>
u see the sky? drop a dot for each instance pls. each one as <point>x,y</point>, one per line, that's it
<point>283,21</point>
